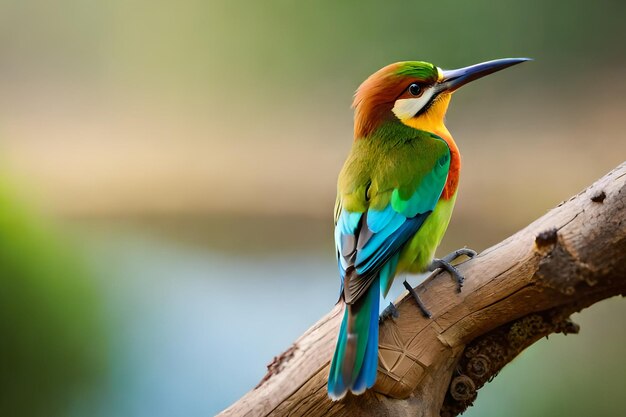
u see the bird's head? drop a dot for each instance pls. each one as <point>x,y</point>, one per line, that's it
<point>414,93</point>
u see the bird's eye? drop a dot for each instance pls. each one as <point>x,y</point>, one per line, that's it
<point>415,89</point>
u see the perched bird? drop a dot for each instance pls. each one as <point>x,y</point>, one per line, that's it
<point>396,193</point>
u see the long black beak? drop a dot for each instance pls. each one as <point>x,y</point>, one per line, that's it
<point>454,79</point>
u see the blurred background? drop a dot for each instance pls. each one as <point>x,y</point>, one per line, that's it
<point>168,178</point>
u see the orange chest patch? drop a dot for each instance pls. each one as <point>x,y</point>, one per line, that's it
<point>452,183</point>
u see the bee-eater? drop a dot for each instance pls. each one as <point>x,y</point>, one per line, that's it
<point>396,193</point>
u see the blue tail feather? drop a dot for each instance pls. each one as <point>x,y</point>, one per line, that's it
<point>367,375</point>
<point>336,386</point>
<point>362,373</point>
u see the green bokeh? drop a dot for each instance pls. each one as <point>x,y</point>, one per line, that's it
<point>52,346</point>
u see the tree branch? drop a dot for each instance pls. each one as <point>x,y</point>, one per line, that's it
<point>515,293</point>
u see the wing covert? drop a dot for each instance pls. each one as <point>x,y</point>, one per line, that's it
<point>368,241</point>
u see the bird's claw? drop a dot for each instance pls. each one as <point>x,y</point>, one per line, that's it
<point>454,255</point>
<point>441,264</point>
<point>418,300</point>
<point>445,263</point>
<point>389,311</point>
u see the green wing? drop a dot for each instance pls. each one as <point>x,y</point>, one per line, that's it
<point>387,189</point>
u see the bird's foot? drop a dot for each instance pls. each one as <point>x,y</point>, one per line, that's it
<point>454,255</point>
<point>389,311</point>
<point>418,300</point>
<point>445,264</point>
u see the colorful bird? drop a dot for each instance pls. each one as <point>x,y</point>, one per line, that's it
<point>396,193</point>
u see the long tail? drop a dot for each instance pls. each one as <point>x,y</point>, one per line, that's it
<point>355,361</point>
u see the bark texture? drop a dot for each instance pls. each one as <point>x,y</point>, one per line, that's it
<point>515,292</point>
